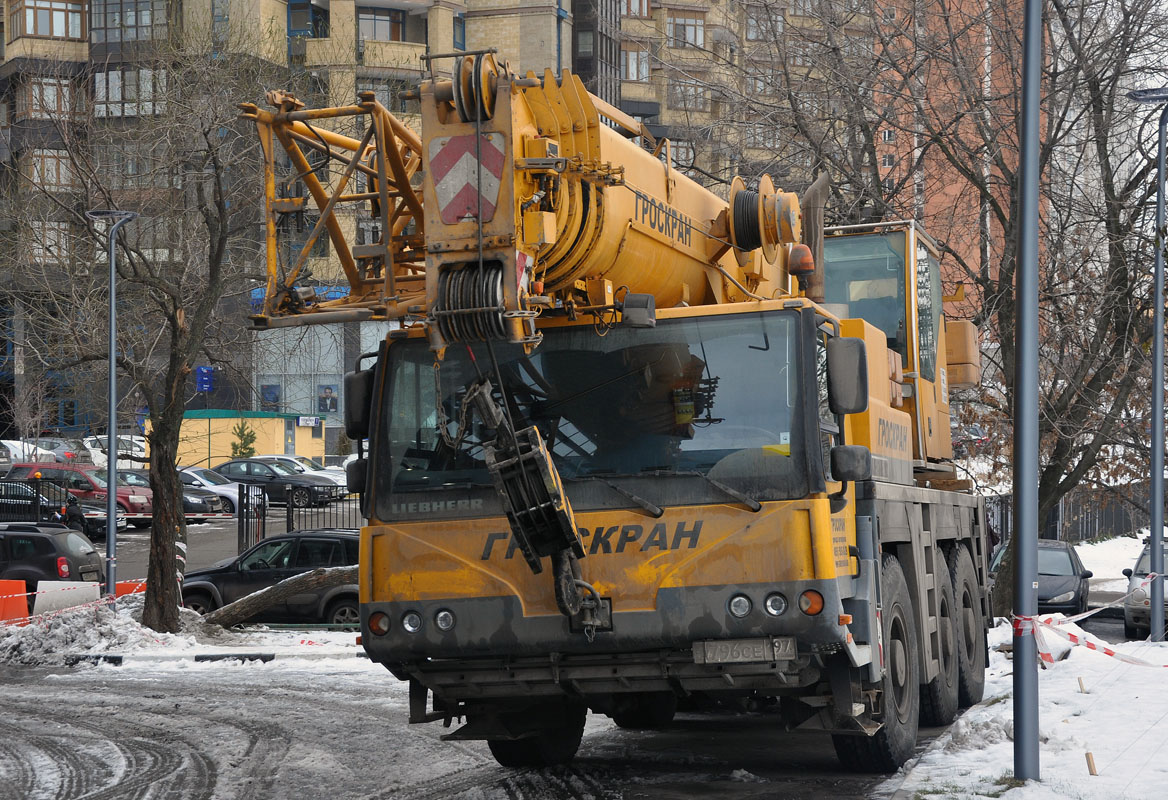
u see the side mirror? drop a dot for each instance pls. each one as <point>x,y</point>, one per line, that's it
<point>358,397</point>
<point>1088,573</point>
<point>356,474</point>
<point>851,462</point>
<point>1127,573</point>
<point>847,376</point>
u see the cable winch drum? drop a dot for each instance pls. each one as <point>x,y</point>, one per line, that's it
<point>470,305</point>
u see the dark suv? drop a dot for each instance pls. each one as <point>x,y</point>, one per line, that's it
<point>34,553</point>
<point>270,562</point>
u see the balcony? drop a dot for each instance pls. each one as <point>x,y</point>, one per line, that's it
<point>399,55</point>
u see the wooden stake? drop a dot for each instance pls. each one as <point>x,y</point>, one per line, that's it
<point>1091,764</point>
<point>1082,687</point>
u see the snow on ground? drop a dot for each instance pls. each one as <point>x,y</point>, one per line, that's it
<point>96,629</point>
<point>1118,717</point>
<point>1089,702</point>
<point>1108,559</point>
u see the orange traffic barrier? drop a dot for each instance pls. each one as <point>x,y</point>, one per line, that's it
<point>128,587</point>
<point>13,602</point>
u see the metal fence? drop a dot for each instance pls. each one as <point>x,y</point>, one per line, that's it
<point>259,516</point>
<point>1083,514</point>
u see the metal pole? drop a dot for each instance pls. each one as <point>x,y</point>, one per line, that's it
<point>1157,509</point>
<point>1026,408</point>
<point>111,471</point>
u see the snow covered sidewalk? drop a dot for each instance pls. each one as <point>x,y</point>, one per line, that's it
<point>95,633</point>
<point>1089,702</point>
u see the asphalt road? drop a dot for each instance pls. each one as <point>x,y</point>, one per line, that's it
<point>338,730</point>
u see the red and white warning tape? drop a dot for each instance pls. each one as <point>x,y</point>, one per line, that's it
<point>1024,625</point>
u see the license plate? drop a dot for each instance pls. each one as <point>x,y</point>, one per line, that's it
<point>740,651</point>
<point>88,575</point>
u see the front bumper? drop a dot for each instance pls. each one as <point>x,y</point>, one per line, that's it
<point>494,627</point>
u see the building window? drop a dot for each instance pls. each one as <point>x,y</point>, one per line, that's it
<point>887,135</point>
<point>381,24</point>
<point>635,65</point>
<point>129,92</point>
<point>51,169</point>
<point>459,32</point>
<point>798,54</point>
<point>689,96</point>
<point>635,8</point>
<point>47,19</point>
<point>46,98</point>
<point>585,42</point>
<point>888,14</point>
<point>763,22</point>
<point>763,135</point>
<point>804,8</point>
<point>889,184</point>
<point>127,20</point>
<point>49,242</point>
<point>888,160</point>
<point>683,154</point>
<point>687,29</point>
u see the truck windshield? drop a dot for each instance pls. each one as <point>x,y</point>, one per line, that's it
<point>715,396</point>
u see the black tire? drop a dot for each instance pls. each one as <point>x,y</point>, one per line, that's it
<point>199,602</point>
<point>971,633</point>
<point>556,745</point>
<point>300,497</point>
<point>228,506</point>
<point>644,711</point>
<point>141,523</point>
<point>343,612</point>
<point>939,696</point>
<point>893,744</point>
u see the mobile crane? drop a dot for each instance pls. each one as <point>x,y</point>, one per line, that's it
<point>630,442</point>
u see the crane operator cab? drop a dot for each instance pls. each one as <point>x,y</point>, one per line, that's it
<point>889,275</point>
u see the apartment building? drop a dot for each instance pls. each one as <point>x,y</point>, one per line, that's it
<point>83,81</point>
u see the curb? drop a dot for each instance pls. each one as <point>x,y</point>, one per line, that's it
<point>121,660</point>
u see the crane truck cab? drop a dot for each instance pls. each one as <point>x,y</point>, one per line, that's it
<point>616,457</point>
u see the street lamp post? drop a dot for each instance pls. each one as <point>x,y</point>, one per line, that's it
<point>119,218</point>
<point>1157,97</point>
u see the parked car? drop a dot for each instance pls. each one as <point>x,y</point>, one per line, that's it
<point>88,482</point>
<point>307,466</point>
<point>198,504</point>
<point>968,439</point>
<point>42,501</point>
<point>273,560</point>
<point>32,553</point>
<point>24,451</point>
<point>68,451</point>
<point>284,484</point>
<point>131,450</point>
<point>5,461</point>
<point>212,481</point>
<point>1137,605</point>
<point>1062,579</point>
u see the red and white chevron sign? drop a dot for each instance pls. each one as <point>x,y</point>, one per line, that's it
<point>456,176</point>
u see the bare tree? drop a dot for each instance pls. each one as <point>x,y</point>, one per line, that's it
<point>160,137</point>
<point>912,109</point>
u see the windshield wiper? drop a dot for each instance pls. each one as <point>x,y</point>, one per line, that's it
<point>653,509</point>
<point>749,502</point>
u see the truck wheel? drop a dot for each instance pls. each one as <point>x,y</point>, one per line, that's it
<point>939,696</point>
<point>971,635</point>
<point>647,710</point>
<point>893,744</point>
<point>556,745</point>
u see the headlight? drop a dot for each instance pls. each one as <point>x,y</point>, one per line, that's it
<point>775,604</point>
<point>137,498</point>
<point>190,498</point>
<point>740,605</point>
<point>1065,597</point>
<point>444,620</point>
<point>412,622</point>
<point>1139,596</point>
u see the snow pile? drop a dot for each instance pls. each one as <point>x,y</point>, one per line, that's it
<point>1117,716</point>
<point>1108,559</point>
<point>96,629</point>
